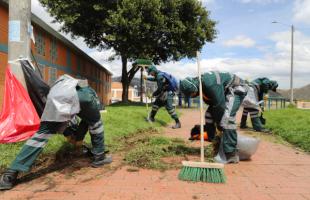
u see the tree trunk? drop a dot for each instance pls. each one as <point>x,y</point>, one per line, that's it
<point>125,80</point>
<point>127,76</point>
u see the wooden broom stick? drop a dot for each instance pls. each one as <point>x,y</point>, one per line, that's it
<point>202,152</point>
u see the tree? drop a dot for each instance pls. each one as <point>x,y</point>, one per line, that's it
<point>161,30</point>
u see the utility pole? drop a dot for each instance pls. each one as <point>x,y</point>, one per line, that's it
<point>292,60</point>
<point>292,65</point>
<point>19,35</point>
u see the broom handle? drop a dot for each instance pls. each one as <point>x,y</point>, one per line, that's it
<point>144,83</point>
<point>202,152</point>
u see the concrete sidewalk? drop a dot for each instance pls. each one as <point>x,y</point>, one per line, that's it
<point>275,172</point>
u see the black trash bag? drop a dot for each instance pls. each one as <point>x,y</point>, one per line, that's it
<point>195,134</point>
<point>37,88</point>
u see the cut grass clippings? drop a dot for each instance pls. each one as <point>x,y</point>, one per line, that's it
<point>292,125</point>
<point>126,131</point>
<point>121,120</point>
<point>148,149</point>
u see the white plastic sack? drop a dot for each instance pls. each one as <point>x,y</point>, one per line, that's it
<point>62,101</point>
<point>247,146</point>
<point>251,99</point>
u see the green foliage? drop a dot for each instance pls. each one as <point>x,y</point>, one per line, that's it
<point>292,125</point>
<point>120,121</point>
<point>160,30</point>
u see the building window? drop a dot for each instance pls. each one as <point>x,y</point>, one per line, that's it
<point>53,50</point>
<point>40,44</point>
<point>52,75</point>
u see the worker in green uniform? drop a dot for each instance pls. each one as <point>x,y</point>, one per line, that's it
<point>223,92</point>
<point>260,87</point>
<point>166,88</point>
<point>65,100</point>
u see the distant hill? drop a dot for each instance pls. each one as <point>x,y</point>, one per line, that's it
<point>302,93</point>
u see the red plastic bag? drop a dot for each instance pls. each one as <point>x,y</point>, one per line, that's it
<point>18,119</point>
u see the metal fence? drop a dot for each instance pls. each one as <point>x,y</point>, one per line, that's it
<point>269,103</point>
<point>276,103</point>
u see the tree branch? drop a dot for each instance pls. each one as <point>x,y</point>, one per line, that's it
<point>132,72</point>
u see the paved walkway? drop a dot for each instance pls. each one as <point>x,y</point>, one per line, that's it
<point>275,172</point>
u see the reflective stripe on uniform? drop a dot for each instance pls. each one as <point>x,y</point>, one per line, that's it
<point>210,121</point>
<point>218,77</point>
<point>254,116</point>
<point>254,112</point>
<point>42,136</point>
<point>229,106</point>
<point>97,130</point>
<point>96,125</point>
<point>230,126</point>
<point>155,106</point>
<point>232,118</point>
<point>34,143</point>
<point>171,111</point>
<point>208,114</point>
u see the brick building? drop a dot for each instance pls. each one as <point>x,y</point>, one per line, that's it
<point>117,91</point>
<point>55,56</point>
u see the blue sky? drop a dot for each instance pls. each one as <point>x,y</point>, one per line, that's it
<point>247,44</point>
<point>252,19</point>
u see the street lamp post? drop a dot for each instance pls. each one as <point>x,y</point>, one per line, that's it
<point>292,64</point>
<point>292,61</point>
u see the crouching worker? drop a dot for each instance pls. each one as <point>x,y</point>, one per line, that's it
<point>66,99</point>
<point>223,92</point>
<point>257,89</point>
<point>166,88</point>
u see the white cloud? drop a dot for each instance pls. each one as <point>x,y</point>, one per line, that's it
<point>275,64</point>
<point>302,11</point>
<point>283,45</point>
<point>274,68</point>
<point>240,41</point>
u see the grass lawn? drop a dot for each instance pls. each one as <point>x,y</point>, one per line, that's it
<point>120,122</point>
<point>291,124</point>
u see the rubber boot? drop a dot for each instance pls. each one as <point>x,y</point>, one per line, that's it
<point>151,117</point>
<point>177,124</point>
<point>264,130</point>
<point>232,157</point>
<point>8,179</point>
<point>100,160</point>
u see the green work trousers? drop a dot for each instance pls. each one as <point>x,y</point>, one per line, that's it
<point>90,120</point>
<point>166,100</point>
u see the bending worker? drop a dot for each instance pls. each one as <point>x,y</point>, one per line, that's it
<point>223,92</point>
<point>258,88</point>
<point>66,99</point>
<point>166,88</point>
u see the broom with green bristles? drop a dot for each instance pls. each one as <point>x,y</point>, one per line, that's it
<point>202,171</point>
